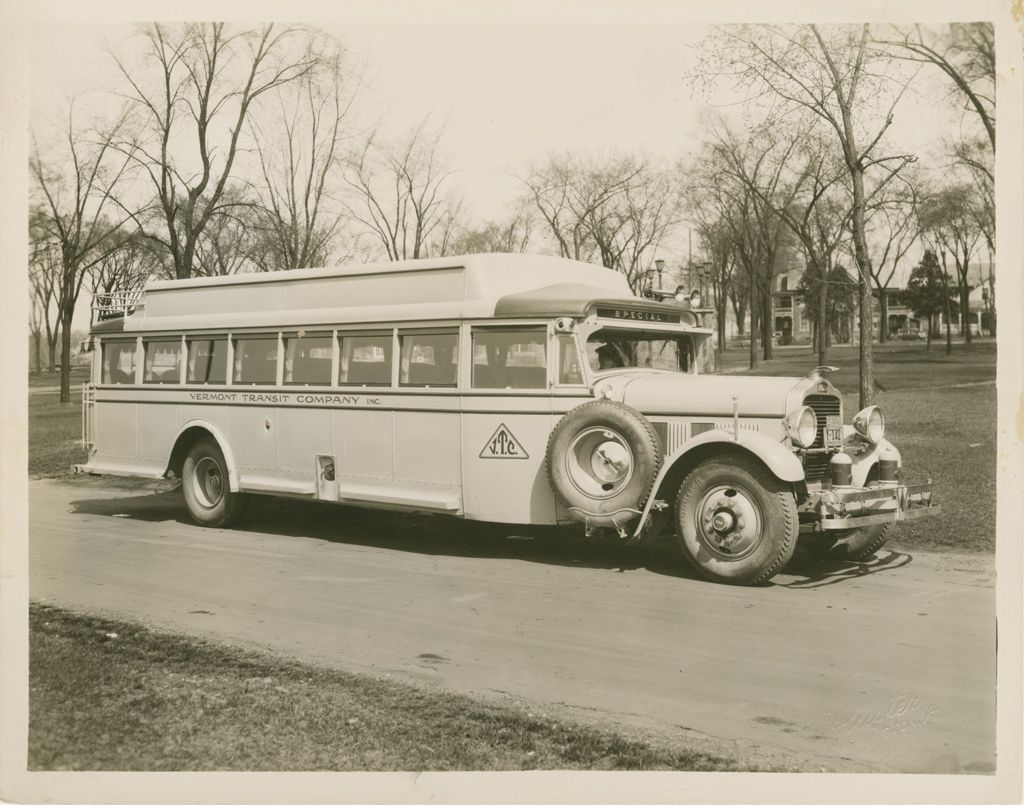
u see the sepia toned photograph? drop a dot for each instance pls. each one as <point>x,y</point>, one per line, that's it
<point>550,392</point>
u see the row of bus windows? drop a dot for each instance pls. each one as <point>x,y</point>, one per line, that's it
<point>502,358</point>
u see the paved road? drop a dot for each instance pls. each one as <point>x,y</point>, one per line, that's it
<point>889,666</point>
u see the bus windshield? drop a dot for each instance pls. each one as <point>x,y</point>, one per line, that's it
<point>627,349</point>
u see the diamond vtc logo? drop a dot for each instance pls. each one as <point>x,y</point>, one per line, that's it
<point>503,444</point>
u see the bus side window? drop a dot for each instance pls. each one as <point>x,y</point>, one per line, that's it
<point>161,361</point>
<point>207,360</point>
<point>119,361</point>
<point>365,360</point>
<point>307,358</point>
<point>255,360</point>
<point>506,358</point>
<point>429,358</point>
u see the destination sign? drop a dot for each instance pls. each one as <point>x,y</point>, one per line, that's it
<point>627,314</point>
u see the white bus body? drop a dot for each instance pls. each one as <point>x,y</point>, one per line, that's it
<point>446,386</point>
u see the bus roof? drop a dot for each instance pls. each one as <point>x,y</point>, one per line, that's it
<point>468,286</point>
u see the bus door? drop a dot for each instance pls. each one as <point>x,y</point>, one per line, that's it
<point>506,422</point>
<point>426,418</point>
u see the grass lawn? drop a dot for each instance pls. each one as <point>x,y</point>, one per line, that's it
<point>899,365</point>
<point>53,434</point>
<point>79,375</point>
<point>108,695</point>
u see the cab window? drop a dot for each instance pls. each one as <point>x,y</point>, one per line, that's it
<point>119,361</point>
<point>429,358</point>
<point>161,360</point>
<point>510,358</point>
<point>627,349</point>
<point>365,360</point>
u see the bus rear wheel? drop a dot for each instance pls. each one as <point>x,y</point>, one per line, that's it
<point>204,481</point>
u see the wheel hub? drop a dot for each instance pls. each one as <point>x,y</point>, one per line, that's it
<point>208,483</point>
<point>599,462</point>
<point>729,523</point>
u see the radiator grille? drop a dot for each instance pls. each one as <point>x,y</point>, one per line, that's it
<point>823,405</point>
<point>816,466</point>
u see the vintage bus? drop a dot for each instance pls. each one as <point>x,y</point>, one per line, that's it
<point>507,388</point>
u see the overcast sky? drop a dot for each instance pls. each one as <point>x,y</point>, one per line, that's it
<point>508,94</point>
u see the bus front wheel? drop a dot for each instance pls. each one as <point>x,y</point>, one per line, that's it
<point>735,521</point>
<point>204,481</point>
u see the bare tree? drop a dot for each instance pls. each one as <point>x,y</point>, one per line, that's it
<point>44,278</point>
<point>193,94</point>
<point>966,54</point>
<point>749,178</point>
<point>617,211</point>
<point>126,268</point>
<point>72,195</point>
<point>835,75</point>
<point>298,153</point>
<point>235,239</point>
<point>511,235</point>
<point>892,224</point>
<point>400,193</point>
<point>949,222</point>
<point>718,245</point>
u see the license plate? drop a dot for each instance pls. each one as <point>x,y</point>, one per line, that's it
<point>833,430</point>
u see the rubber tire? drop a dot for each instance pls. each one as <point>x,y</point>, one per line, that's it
<point>854,545</point>
<point>638,433</point>
<point>231,506</point>
<point>773,497</point>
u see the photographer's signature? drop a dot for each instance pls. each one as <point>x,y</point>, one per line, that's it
<point>904,713</point>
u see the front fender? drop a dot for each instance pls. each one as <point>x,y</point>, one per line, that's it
<point>779,459</point>
<point>864,454</point>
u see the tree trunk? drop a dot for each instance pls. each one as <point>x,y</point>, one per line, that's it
<point>860,248</point>
<point>52,353</point>
<point>739,308</point>
<point>769,325</point>
<point>183,267</point>
<point>755,359</point>
<point>883,315</point>
<point>822,328</point>
<point>949,334</point>
<point>965,311</point>
<point>37,352</point>
<point>65,355</point>
<point>720,323</point>
<point>931,323</point>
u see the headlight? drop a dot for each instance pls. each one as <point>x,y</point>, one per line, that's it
<point>870,424</point>
<point>802,426</point>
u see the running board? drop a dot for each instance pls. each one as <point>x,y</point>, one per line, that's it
<point>391,496</point>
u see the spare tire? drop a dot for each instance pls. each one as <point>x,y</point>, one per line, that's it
<point>602,460</point>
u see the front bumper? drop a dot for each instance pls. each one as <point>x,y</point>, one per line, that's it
<point>843,508</point>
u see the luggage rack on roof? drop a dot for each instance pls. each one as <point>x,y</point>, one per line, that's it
<point>114,305</point>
